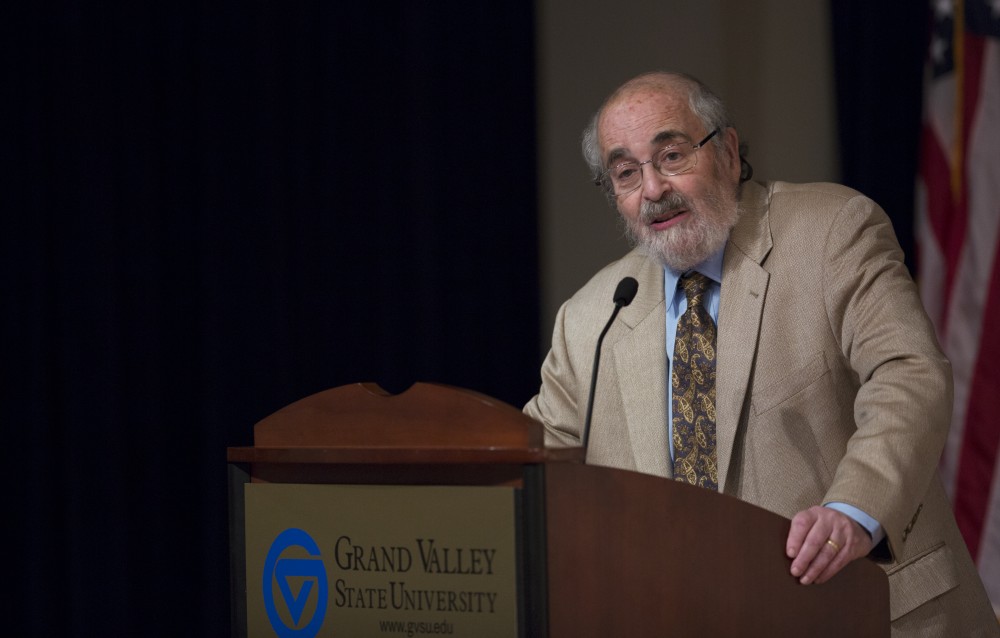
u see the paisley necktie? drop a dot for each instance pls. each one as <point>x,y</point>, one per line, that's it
<point>693,382</point>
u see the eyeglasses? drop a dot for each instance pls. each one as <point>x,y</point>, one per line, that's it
<point>673,159</point>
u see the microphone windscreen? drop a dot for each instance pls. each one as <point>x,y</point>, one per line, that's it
<point>625,292</point>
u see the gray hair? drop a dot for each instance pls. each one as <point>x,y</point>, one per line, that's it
<point>704,103</point>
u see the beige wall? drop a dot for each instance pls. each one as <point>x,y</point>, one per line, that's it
<point>769,59</point>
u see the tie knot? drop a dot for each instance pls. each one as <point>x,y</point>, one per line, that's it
<point>694,284</point>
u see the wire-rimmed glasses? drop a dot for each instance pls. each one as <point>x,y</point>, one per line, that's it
<point>673,159</point>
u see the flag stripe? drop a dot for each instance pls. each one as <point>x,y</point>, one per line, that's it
<point>982,436</point>
<point>946,220</point>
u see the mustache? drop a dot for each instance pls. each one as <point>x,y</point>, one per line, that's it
<point>651,210</point>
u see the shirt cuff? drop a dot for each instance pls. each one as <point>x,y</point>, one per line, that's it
<point>873,527</point>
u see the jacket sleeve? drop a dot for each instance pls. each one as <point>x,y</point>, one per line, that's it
<point>903,406</point>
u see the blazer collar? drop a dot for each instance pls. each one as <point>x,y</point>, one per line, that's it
<point>741,304</point>
<point>640,363</point>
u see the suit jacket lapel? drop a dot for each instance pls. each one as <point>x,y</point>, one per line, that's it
<point>744,287</point>
<point>640,365</point>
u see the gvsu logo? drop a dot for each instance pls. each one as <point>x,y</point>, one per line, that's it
<point>295,587</point>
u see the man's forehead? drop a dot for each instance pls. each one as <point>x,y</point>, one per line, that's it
<point>635,122</point>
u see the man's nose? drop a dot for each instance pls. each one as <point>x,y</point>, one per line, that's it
<point>654,185</point>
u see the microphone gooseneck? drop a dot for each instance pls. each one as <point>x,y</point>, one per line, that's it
<point>624,294</point>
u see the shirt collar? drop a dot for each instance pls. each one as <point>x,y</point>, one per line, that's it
<point>711,268</point>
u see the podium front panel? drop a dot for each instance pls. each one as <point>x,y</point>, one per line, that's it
<point>377,560</point>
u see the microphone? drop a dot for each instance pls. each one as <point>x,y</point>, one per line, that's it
<point>624,294</point>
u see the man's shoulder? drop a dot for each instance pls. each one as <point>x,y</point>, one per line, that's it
<point>813,195</point>
<point>600,288</point>
<point>814,189</point>
<point>814,205</point>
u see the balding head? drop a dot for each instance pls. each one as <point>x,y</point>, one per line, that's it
<point>703,103</point>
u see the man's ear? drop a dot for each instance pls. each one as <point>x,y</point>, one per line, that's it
<point>733,166</point>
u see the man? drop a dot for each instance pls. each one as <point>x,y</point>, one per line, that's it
<point>776,351</point>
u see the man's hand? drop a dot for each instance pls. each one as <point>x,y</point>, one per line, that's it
<point>821,541</point>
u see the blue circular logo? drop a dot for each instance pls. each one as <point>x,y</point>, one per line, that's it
<point>298,581</point>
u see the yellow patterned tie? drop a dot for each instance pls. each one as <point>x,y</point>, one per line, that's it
<point>693,382</point>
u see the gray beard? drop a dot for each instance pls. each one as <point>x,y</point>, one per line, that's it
<point>693,240</point>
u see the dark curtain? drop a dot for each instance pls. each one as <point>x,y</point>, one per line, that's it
<point>879,48</point>
<point>211,210</point>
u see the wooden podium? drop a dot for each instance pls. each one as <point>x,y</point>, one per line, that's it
<point>598,551</point>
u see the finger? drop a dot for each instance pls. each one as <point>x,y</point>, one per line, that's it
<point>827,562</point>
<point>812,538</point>
<point>801,524</point>
<point>837,563</point>
<point>856,544</point>
<point>816,554</point>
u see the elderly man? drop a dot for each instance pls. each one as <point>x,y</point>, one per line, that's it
<point>776,351</point>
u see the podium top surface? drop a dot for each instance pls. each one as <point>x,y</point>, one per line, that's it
<point>428,423</point>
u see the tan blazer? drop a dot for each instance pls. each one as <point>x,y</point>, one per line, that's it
<point>830,386</point>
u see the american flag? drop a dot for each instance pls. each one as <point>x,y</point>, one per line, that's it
<point>958,216</point>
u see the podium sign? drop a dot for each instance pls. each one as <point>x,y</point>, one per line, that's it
<point>380,560</point>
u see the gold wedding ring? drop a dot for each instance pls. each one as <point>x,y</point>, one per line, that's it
<point>833,544</point>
